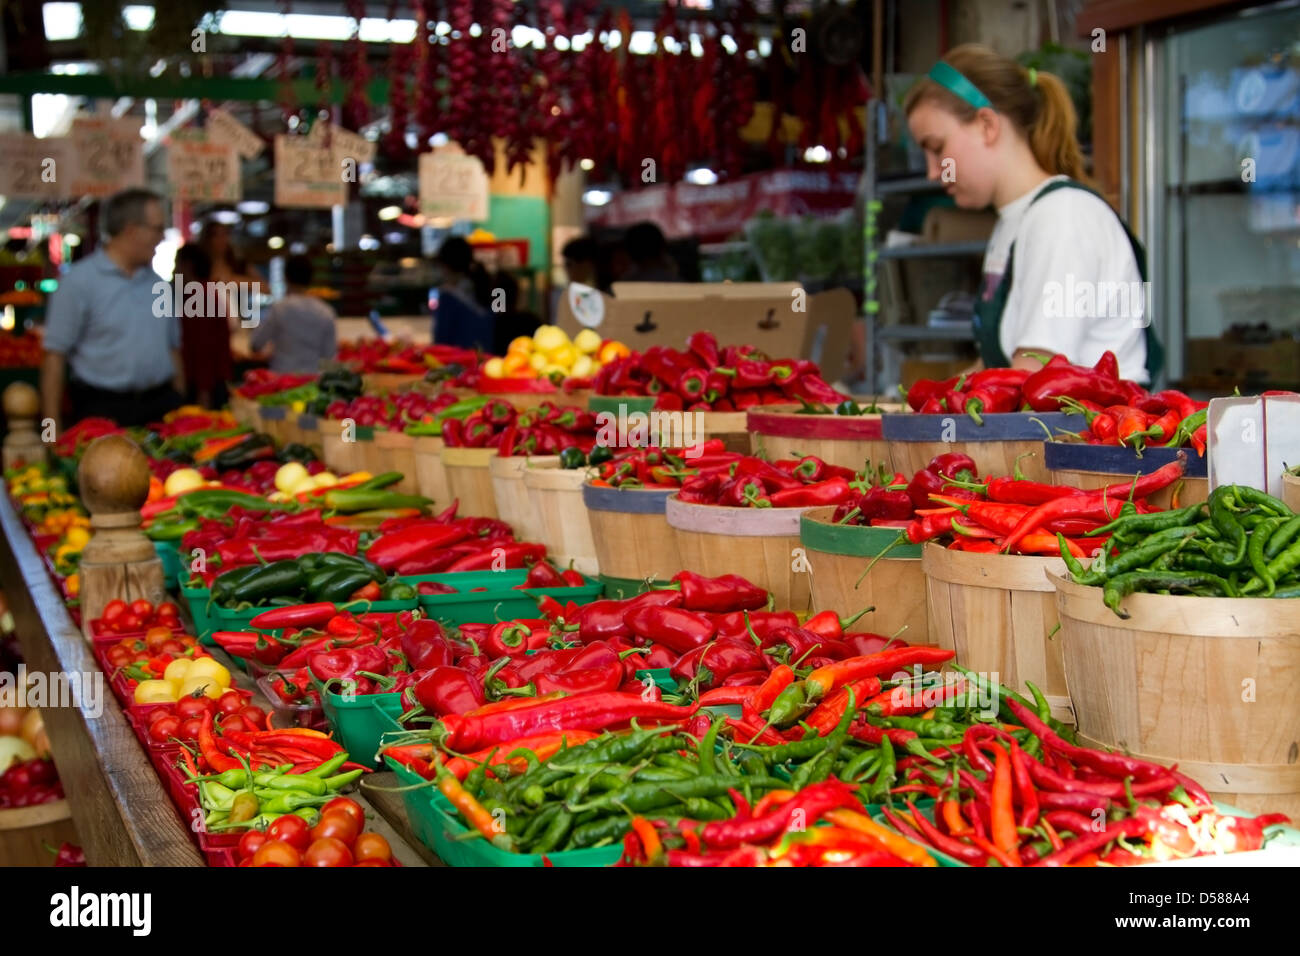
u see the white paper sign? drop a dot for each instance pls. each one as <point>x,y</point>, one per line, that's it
<point>222,127</point>
<point>453,186</point>
<point>204,170</point>
<point>344,142</point>
<point>107,156</point>
<point>307,176</point>
<point>34,168</point>
<point>586,304</point>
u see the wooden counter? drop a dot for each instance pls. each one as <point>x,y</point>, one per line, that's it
<point>122,812</point>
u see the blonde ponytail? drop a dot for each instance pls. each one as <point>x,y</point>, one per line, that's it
<point>1037,103</point>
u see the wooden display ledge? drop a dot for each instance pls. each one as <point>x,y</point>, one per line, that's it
<point>123,814</point>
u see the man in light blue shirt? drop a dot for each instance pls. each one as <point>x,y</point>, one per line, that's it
<point>104,335</point>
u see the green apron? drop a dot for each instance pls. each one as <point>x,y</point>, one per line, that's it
<point>988,313</point>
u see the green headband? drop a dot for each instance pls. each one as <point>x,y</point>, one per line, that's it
<point>952,80</point>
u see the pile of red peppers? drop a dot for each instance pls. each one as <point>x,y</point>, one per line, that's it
<point>705,377</point>
<point>750,482</point>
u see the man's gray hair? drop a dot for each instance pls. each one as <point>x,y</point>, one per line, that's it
<point>122,209</point>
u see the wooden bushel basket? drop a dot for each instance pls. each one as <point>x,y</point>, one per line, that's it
<point>759,544</point>
<point>309,429</point>
<point>395,451</point>
<point>273,420</point>
<point>384,383</point>
<point>469,480</point>
<point>430,475</point>
<point>514,504</point>
<point>341,457</point>
<point>1206,683</point>
<point>994,446</point>
<point>632,537</point>
<point>732,428</point>
<point>779,431</point>
<point>895,586</point>
<point>1096,466</point>
<point>1291,491</point>
<point>555,496</point>
<point>24,831</point>
<point>996,611</point>
<point>244,410</point>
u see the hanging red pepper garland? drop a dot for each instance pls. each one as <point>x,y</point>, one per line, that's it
<point>356,108</point>
<point>427,52</point>
<point>288,101</point>
<point>521,93</point>
<point>399,60</point>
<point>462,72</point>
<point>325,81</point>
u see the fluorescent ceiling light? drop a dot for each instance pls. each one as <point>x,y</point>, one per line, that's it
<point>227,216</point>
<point>138,17</point>
<point>72,239</point>
<point>253,207</point>
<point>643,42</point>
<point>701,176</point>
<point>390,212</point>
<point>597,197</point>
<point>816,154</point>
<point>275,242</point>
<point>62,20</point>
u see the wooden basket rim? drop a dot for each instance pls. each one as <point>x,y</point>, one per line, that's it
<point>1014,572</point>
<point>739,522</point>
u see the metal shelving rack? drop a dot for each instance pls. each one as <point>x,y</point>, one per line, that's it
<point>873,191</point>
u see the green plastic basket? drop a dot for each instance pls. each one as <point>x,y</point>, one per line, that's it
<point>361,721</point>
<point>205,621</point>
<point>417,802</point>
<point>446,831</point>
<point>227,619</point>
<point>500,602</point>
<point>662,676</point>
<point>170,557</point>
<point>619,589</point>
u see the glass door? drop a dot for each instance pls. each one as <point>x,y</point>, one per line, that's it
<point>1227,176</point>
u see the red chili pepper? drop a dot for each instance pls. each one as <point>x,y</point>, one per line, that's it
<point>218,761</point>
<point>543,575</point>
<point>833,491</point>
<point>827,715</point>
<point>729,592</point>
<point>449,690</point>
<point>1044,388</point>
<point>507,556</point>
<point>582,712</point>
<point>300,615</point>
<point>1086,843</point>
<point>675,628</point>
<point>807,807</point>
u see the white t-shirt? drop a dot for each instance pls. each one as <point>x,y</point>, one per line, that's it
<point>1075,288</point>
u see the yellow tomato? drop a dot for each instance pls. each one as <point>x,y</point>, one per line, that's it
<point>208,667</point>
<point>77,538</point>
<point>563,356</point>
<point>522,344</point>
<point>613,350</point>
<point>494,368</point>
<point>584,367</point>
<point>537,361</point>
<point>517,365</point>
<point>548,338</point>
<point>154,692</point>
<point>587,341</point>
<point>178,670</point>
<point>201,686</point>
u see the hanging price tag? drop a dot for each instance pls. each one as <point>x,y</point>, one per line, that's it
<point>453,186</point>
<point>224,128</point>
<point>107,156</point>
<point>307,176</point>
<point>345,143</point>
<point>34,168</point>
<point>204,170</point>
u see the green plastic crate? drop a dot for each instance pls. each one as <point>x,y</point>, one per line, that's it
<point>416,802</point>
<point>445,830</point>
<point>662,676</point>
<point>362,721</point>
<point>500,602</point>
<point>620,589</point>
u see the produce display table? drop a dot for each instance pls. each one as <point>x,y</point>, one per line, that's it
<point>122,812</point>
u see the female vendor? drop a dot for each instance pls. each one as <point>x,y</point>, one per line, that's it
<point>1062,273</point>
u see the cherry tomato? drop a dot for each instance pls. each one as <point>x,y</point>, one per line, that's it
<point>164,728</point>
<point>292,830</point>
<point>174,648</point>
<point>118,656</point>
<point>231,702</point>
<point>188,641</point>
<point>167,609</point>
<point>348,806</point>
<point>277,852</point>
<point>128,621</point>
<point>156,637</point>
<point>372,863</point>
<point>254,716</point>
<point>113,610</point>
<point>327,852</point>
<point>189,728</point>
<point>251,842</point>
<point>338,825</point>
<point>143,609</point>
<point>234,724</point>
<point>372,846</point>
<point>188,707</point>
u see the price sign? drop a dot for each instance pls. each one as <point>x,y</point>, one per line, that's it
<point>107,156</point>
<point>35,168</point>
<point>345,143</point>
<point>453,186</point>
<point>307,176</point>
<point>204,170</point>
<point>224,128</point>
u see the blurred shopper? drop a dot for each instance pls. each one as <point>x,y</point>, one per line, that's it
<point>205,334</point>
<point>999,134</point>
<point>463,312</point>
<point>579,266</point>
<point>300,328</point>
<point>647,250</point>
<point>511,322</point>
<point>110,337</point>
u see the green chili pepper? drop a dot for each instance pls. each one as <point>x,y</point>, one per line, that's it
<point>887,775</point>
<point>1259,539</point>
<point>1282,537</point>
<point>1232,552</point>
<point>1147,551</point>
<point>1148,523</point>
<point>1122,585</point>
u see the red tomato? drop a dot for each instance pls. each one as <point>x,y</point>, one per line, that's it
<point>164,728</point>
<point>156,637</point>
<point>233,723</point>
<point>372,846</point>
<point>143,609</point>
<point>327,852</point>
<point>189,642</point>
<point>113,610</point>
<point>174,648</point>
<point>254,716</point>
<point>338,825</point>
<point>277,852</point>
<point>348,806</point>
<point>188,707</point>
<point>118,656</point>
<point>189,728</point>
<point>126,622</point>
<point>250,843</point>
<point>372,863</point>
<point>231,702</point>
<point>292,830</point>
<point>168,609</point>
